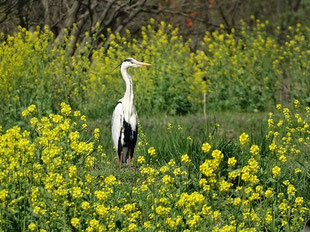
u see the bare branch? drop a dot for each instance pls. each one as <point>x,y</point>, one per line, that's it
<point>224,17</point>
<point>186,15</point>
<point>46,11</point>
<point>132,14</point>
<point>107,9</point>
<point>69,18</point>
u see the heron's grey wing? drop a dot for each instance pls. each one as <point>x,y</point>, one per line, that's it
<point>117,124</point>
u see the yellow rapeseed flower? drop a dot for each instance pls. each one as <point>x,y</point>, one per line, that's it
<point>268,217</point>
<point>85,205</point>
<point>299,201</point>
<point>237,201</point>
<point>96,133</point>
<point>291,190</point>
<point>296,103</point>
<point>83,118</point>
<point>141,159</point>
<point>268,193</point>
<point>25,113</point>
<point>169,127</point>
<point>232,162</point>
<point>132,227</point>
<point>297,170</point>
<point>101,195</point>
<point>170,222</point>
<point>161,210</point>
<point>34,121</point>
<point>32,227</point>
<point>282,158</point>
<point>3,194</point>
<point>77,192</point>
<point>164,169</point>
<point>94,223</point>
<point>206,147</point>
<point>151,151</point>
<point>185,159</point>
<point>216,214</point>
<point>217,155</point>
<point>65,109</point>
<point>101,210</point>
<point>147,225</point>
<point>110,180</point>
<point>244,139</point>
<point>77,113</point>
<point>167,180</point>
<point>75,222</point>
<point>32,108</point>
<point>171,163</point>
<point>276,171</point>
<point>254,149</point>
<point>224,186</point>
<point>272,146</point>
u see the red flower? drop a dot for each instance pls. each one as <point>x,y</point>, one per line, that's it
<point>211,2</point>
<point>193,14</point>
<point>189,22</point>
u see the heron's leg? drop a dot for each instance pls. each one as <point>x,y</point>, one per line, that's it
<point>121,158</point>
<point>129,157</point>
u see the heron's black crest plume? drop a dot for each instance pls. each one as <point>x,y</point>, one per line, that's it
<point>128,59</point>
<point>117,66</point>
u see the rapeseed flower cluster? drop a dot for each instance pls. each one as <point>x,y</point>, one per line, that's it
<point>243,70</point>
<point>236,69</point>
<point>44,167</point>
<point>50,167</point>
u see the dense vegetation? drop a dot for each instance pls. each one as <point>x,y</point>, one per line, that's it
<point>245,70</point>
<point>58,170</point>
<point>58,174</point>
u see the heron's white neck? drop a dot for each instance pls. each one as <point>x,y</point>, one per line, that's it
<point>128,96</point>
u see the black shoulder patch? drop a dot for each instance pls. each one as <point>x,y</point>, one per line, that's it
<point>119,102</point>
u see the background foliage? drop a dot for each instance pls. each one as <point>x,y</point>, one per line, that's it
<point>192,17</point>
<point>245,70</point>
<point>59,170</point>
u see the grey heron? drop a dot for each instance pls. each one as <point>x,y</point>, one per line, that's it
<point>125,118</point>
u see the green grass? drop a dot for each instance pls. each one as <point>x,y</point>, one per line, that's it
<point>222,128</point>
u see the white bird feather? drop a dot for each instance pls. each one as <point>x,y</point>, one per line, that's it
<point>125,118</point>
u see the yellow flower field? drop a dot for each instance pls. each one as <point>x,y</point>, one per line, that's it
<point>48,181</point>
<point>247,69</point>
<point>56,158</point>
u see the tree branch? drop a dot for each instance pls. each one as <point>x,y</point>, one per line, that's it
<point>224,17</point>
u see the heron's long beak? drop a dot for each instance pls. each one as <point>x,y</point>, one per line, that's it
<point>142,64</point>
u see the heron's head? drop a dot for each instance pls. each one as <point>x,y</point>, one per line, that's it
<point>131,62</point>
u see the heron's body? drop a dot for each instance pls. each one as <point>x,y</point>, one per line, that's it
<point>125,118</point>
<point>125,138</point>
